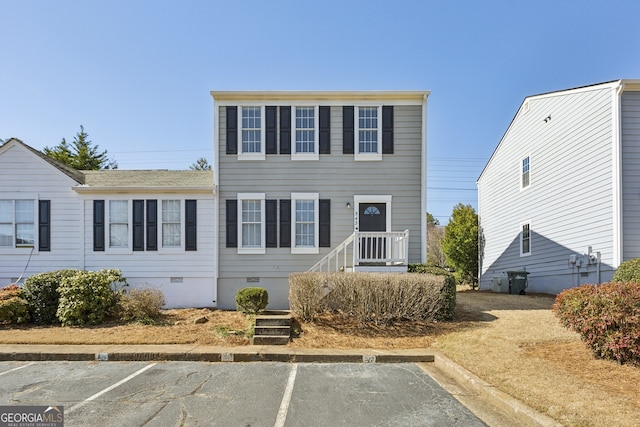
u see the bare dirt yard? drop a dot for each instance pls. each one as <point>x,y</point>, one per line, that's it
<point>513,342</point>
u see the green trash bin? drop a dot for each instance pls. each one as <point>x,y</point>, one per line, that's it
<point>517,282</point>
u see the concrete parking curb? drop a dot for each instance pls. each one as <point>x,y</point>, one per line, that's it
<point>513,408</point>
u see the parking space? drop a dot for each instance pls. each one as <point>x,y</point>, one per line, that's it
<point>233,394</point>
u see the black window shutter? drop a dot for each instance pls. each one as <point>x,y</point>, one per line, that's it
<point>190,226</point>
<point>325,223</point>
<point>98,225</point>
<point>271,220</point>
<point>232,223</point>
<point>324,130</point>
<point>271,130</point>
<point>347,130</point>
<point>285,223</point>
<point>387,129</point>
<point>285,130</point>
<point>232,130</point>
<point>44,225</point>
<point>152,225</point>
<point>138,225</point>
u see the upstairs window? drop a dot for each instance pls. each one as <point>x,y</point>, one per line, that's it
<point>306,136</point>
<point>252,133</point>
<point>17,223</point>
<point>526,180</point>
<point>368,131</point>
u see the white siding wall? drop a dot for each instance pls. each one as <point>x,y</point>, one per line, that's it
<point>336,177</point>
<point>631,175</point>
<point>569,202</point>
<point>23,175</point>
<point>193,272</point>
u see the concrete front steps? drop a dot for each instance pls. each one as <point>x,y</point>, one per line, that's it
<point>272,328</point>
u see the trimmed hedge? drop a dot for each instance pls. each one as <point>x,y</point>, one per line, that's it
<point>607,317</point>
<point>373,297</point>
<point>13,307</point>
<point>628,272</point>
<point>87,297</point>
<point>41,292</point>
<point>252,300</point>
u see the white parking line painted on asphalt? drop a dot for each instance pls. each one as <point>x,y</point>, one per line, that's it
<point>108,389</point>
<point>18,368</point>
<point>286,398</point>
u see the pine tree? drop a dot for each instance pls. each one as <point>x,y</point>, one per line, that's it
<point>81,154</point>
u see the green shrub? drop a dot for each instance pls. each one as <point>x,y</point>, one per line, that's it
<point>41,293</point>
<point>13,306</point>
<point>628,271</point>
<point>607,317</point>
<point>373,297</point>
<point>252,300</point>
<point>140,305</point>
<point>87,297</point>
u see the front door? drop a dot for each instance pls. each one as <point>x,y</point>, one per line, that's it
<point>372,217</point>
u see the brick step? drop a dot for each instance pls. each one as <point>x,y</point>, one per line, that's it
<point>270,340</point>
<point>279,320</point>
<point>272,330</point>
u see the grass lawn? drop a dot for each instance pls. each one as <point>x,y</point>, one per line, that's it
<point>513,342</point>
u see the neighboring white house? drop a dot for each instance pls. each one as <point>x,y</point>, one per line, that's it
<point>560,196</point>
<point>305,177</point>
<point>157,227</point>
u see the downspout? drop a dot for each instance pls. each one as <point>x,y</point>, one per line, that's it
<point>216,201</point>
<point>616,126</point>
<point>423,201</point>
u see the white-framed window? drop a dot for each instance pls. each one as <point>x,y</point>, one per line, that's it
<point>368,131</point>
<point>251,137</point>
<point>305,227</point>
<point>305,133</point>
<point>119,224</point>
<point>251,220</point>
<point>171,218</point>
<point>525,172</point>
<point>525,239</point>
<point>17,223</point>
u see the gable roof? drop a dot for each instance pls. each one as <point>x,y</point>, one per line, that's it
<point>147,181</point>
<point>74,174</point>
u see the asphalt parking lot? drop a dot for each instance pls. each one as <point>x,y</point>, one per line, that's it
<point>233,394</point>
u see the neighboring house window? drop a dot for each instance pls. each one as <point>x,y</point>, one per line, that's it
<point>252,133</point>
<point>252,223</point>
<point>171,224</point>
<point>305,222</point>
<point>17,223</point>
<point>306,136</point>
<point>368,133</point>
<point>525,172</point>
<point>118,224</point>
<point>525,239</point>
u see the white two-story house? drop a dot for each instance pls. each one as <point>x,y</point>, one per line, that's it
<point>329,180</point>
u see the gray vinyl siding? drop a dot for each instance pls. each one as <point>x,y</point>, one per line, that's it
<point>630,119</point>
<point>334,176</point>
<point>569,202</point>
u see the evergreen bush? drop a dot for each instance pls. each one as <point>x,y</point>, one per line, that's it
<point>252,300</point>
<point>13,307</point>
<point>41,293</point>
<point>628,271</point>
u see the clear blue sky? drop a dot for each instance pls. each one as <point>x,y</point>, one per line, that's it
<point>137,74</point>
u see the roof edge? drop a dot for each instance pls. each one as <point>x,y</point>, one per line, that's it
<point>319,95</point>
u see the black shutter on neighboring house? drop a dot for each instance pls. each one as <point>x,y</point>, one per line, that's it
<point>152,225</point>
<point>285,223</point>
<point>232,130</point>
<point>138,225</point>
<point>324,130</point>
<point>285,130</point>
<point>44,225</point>
<point>325,223</point>
<point>271,130</point>
<point>387,129</point>
<point>190,225</point>
<point>271,221</point>
<point>347,130</point>
<point>232,223</point>
<point>98,225</point>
